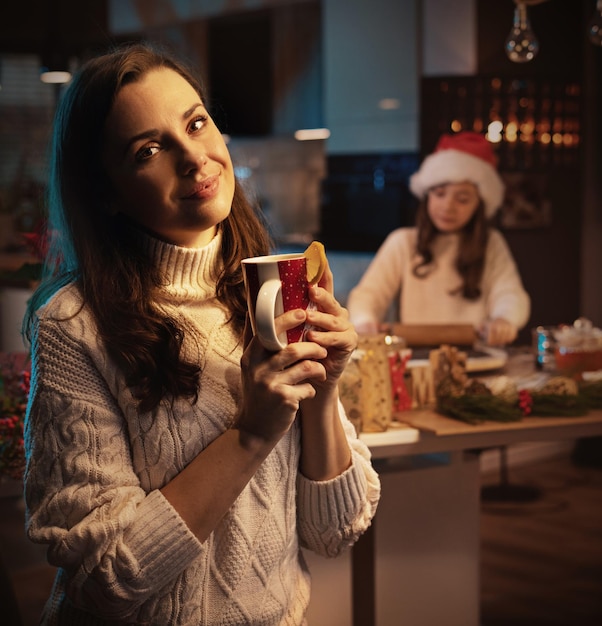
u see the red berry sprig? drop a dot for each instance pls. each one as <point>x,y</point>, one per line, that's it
<point>525,401</point>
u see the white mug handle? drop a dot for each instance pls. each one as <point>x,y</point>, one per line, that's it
<point>265,311</point>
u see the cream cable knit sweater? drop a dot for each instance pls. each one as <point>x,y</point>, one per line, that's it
<point>428,300</point>
<point>95,466</point>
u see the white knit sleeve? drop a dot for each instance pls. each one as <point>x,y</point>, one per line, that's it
<point>503,289</point>
<point>333,514</point>
<point>119,544</point>
<point>370,299</point>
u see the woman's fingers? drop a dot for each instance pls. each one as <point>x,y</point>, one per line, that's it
<point>299,370</point>
<point>328,314</point>
<point>330,323</point>
<point>274,377</point>
<point>327,280</point>
<point>274,385</point>
<point>325,301</point>
<point>290,319</point>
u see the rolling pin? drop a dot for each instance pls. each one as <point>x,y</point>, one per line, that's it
<point>436,334</point>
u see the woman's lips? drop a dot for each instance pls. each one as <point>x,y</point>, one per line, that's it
<point>206,189</point>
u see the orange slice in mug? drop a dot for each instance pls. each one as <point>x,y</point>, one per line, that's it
<point>315,261</point>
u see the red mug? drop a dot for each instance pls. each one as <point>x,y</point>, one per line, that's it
<point>275,284</point>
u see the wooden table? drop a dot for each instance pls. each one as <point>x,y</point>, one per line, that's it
<point>428,432</point>
<point>419,562</point>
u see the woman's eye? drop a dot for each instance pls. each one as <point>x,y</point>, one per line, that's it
<point>197,123</point>
<point>146,153</point>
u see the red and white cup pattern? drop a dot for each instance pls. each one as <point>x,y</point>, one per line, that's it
<point>275,284</point>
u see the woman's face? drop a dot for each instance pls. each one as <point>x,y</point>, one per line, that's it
<point>451,206</point>
<point>166,160</point>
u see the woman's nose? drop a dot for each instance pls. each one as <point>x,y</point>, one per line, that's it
<point>192,157</point>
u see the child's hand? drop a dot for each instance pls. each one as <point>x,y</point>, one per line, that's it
<point>498,332</point>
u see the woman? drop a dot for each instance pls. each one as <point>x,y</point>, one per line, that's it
<point>452,268</point>
<point>174,466</point>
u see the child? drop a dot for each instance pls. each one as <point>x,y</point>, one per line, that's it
<point>452,267</point>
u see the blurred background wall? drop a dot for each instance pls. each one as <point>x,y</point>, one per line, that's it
<point>386,78</point>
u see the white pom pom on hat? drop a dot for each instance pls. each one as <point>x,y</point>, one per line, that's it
<point>464,156</point>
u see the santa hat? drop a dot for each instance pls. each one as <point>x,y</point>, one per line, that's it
<point>465,156</point>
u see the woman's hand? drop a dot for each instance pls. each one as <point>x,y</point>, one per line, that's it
<point>331,329</point>
<point>499,332</point>
<point>274,383</point>
<point>325,452</point>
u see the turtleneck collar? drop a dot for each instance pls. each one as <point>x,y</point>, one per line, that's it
<point>190,273</point>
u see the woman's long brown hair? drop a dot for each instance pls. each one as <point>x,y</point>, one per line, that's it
<point>96,249</point>
<point>472,247</point>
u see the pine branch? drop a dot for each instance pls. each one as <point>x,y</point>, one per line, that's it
<point>478,408</point>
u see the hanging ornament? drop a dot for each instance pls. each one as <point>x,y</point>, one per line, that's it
<point>521,45</point>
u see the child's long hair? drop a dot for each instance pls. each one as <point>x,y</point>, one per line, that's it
<point>96,249</point>
<point>472,247</point>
